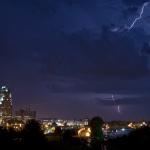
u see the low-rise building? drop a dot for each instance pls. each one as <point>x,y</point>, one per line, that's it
<point>25,115</point>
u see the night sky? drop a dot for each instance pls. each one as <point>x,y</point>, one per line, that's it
<point>65,58</point>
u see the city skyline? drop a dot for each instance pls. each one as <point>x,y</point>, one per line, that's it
<point>67,58</point>
<point>5,104</point>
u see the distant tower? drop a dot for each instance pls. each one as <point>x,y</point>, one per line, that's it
<point>5,103</point>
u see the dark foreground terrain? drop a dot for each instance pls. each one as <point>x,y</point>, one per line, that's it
<point>32,137</point>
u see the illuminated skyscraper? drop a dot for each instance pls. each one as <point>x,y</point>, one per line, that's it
<point>5,103</point>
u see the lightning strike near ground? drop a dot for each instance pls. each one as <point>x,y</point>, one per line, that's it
<point>118,107</point>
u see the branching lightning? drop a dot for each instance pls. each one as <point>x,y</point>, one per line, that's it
<point>139,17</point>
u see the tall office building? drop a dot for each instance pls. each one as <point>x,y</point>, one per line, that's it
<point>5,103</point>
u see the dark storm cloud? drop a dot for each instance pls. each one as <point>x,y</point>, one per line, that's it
<point>134,2</point>
<point>108,55</point>
<point>56,52</point>
<point>145,49</point>
<point>132,7</point>
<point>129,11</point>
<point>94,55</point>
<point>147,19</point>
<point>83,52</point>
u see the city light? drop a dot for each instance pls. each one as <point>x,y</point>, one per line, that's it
<point>84,132</point>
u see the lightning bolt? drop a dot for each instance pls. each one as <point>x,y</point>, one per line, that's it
<point>118,109</point>
<point>139,17</point>
<point>117,29</point>
<point>114,100</point>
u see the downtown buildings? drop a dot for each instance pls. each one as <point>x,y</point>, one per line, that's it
<point>7,117</point>
<point>5,104</point>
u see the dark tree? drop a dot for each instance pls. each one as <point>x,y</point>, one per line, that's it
<point>32,134</point>
<point>96,132</point>
<point>68,134</point>
<point>4,135</point>
<point>58,131</point>
<point>96,128</point>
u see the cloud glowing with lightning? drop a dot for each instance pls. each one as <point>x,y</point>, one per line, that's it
<point>138,18</point>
